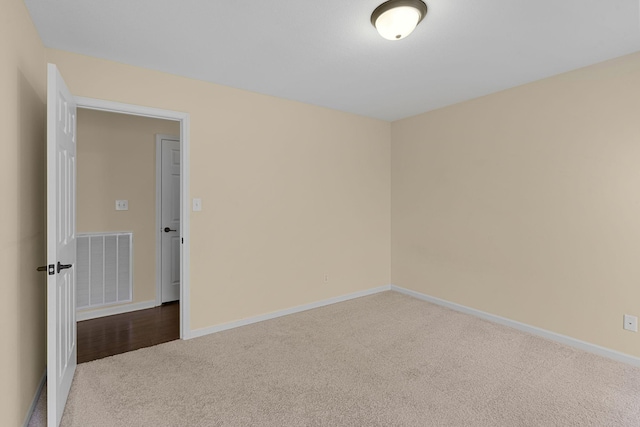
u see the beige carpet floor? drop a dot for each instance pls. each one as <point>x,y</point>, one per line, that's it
<point>382,360</point>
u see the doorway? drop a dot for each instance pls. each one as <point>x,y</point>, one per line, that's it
<point>183,119</point>
<point>117,202</point>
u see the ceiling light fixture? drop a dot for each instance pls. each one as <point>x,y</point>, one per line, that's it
<point>396,19</point>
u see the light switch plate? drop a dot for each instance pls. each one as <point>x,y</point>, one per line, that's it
<point>122,205</point>
<point>197,204</point>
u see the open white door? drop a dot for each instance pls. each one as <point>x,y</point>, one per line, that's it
<point>61,244</point>
<point>170,219</point>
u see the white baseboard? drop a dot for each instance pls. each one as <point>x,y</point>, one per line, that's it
<point>563,339</point>
<point>243,322</point>
<point>36,398</point>
<point>110,311</point>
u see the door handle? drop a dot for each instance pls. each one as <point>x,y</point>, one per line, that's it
<point>50,268</point>
<point>167,229</point>
<point>63,266</point>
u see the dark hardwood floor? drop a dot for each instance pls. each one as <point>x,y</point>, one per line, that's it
<point>107,336</point>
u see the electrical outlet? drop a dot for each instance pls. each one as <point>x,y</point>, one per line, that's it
<point>197,204</point>
<point>122,205</point>
<point>326,278</point>
<point>630,323</point>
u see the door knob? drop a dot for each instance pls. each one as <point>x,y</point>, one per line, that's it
<point>167,229</point>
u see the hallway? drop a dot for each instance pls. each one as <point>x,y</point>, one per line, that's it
<point>111,335</point>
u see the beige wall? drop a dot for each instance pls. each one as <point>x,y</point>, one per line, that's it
<point>116,160</point>
<point>526,203</point>
<point>22,249</point>
<point>290,191</point>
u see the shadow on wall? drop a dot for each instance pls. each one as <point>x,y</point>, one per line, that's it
<point>31,245</point>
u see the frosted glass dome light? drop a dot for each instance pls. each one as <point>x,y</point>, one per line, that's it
<point>396,19</point>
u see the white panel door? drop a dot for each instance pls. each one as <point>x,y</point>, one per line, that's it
<point>170,220</point>
<point>61,244</point>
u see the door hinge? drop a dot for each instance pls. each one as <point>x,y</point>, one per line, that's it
<point>182,238</point>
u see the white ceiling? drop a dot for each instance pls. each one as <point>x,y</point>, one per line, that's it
<point>327,53</point>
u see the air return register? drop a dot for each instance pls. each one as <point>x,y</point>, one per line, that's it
<point>104,273</point>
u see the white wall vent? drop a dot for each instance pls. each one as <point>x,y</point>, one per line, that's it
<point>104,273</point>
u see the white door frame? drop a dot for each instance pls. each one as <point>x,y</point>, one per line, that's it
<point>159,138</point>
<point>183,118</point>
